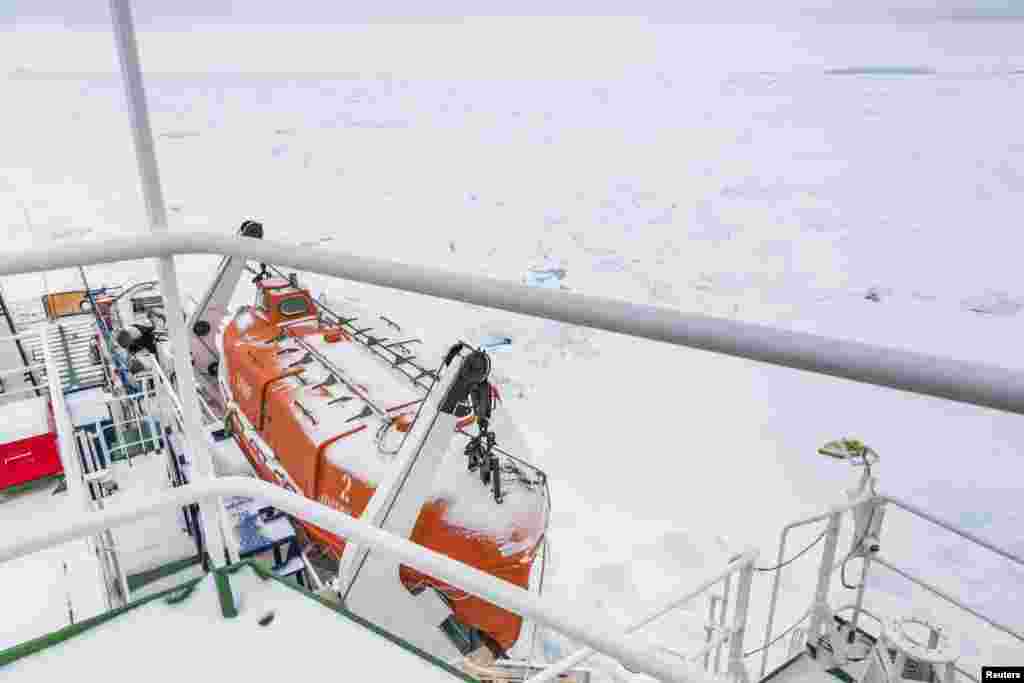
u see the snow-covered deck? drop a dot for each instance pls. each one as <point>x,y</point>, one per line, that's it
<point>49,589</point>
<point>280,634</point>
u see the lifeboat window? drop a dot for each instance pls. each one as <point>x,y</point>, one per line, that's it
<point>296,305</point>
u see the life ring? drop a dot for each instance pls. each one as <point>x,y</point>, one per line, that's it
<point>944,652</point>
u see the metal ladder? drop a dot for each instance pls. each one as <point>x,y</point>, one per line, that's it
<point>71,339</point>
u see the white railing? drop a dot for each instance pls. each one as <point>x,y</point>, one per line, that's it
<point>556,614</point>
<point>973,383</point>
<point>831,537</point>
<point>938,592</point>
<point>829,564</point>
<point>961,381</point>
<point>742,565</point>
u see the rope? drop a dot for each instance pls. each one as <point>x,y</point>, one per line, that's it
<point>795,557</point>
<point>781,635</point>
<point>842,568</point>
<point>867,530</point>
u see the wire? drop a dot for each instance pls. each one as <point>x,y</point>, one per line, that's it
<point>780,636</point>
<point>795,557</point>
<point>842,568</point>
<point>867,531</point>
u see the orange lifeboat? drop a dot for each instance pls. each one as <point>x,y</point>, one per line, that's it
<point>316,411</point>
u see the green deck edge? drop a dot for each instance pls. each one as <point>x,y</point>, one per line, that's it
<point>181,592</point>
<point>370,626</point>
<point>137,581</point>
<point>34,484</point>
<point>35,645</point>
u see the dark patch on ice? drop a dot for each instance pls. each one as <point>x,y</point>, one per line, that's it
<point>491,342</point>
<point>976,520</point>
<point>882,71</point>
<point>552,219</point>
<point>180,134</point>
<point>993,303</point>
<point>70,233</point>
<point>874,294</point>
<point>545,277</point>
<point>267,618</point>
<point>610,264</point>
<point>352,123</point>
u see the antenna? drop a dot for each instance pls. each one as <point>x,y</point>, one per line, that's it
<point>857,453</point>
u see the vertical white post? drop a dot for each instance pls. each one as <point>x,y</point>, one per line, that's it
<point>737,666</point>
<point>66,447</point>
<point>145,152</point>
<point>828,560</point>
<point>726,587</point>
<point>865,568</point>
<point>710,628</point>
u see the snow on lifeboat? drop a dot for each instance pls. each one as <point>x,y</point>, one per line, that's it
<point>316,411</point>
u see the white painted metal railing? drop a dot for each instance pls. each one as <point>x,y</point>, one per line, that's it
<point>973,383</point>
<point>938,592</point>
<point>834,518</point>
<point>965,382</point>
<point>558,615</point>
<point>829,564</point>
<point>742,565</point>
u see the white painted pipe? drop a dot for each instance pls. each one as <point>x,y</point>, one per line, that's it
<point>152,192</point>
<point>66,448</point>
<point>965,382</point>
<point>559,615</point>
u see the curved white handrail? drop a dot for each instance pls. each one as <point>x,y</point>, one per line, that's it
<point>965,382</point>
<point>559,615</point>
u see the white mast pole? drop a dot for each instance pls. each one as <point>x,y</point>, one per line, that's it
<point>145,152</point>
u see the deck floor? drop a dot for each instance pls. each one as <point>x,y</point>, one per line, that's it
<point>298,639</point>
<point>47,590</point>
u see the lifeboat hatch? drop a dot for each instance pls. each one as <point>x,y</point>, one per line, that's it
<point>284,301</point>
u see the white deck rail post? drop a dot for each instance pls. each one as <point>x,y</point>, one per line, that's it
<point>66,448</point>
<point>737,667</point>
<point>876,503</point>
<point>828,559</point>
<point>131,70</point>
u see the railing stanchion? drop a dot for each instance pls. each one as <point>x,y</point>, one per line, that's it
<point>723,610</point>
<point>710,629</point>
<point>145,152</point>
<point>828,559</point>
<point>737,667</point>
<point>865,568</point>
